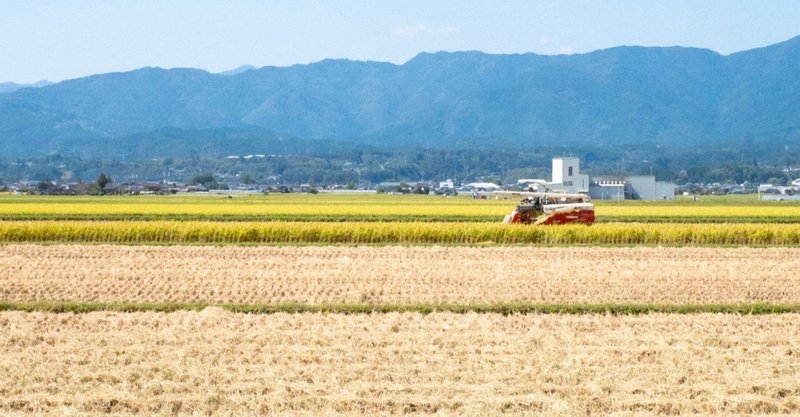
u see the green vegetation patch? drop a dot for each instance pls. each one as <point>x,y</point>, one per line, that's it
<point>506,309</point>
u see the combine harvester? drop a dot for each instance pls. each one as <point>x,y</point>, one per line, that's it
<point>549,207</point>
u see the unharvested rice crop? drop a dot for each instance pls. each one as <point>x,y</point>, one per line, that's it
<point>398,275</point>
<point>263,208</point>
<point>297,207</point>
<point>174,232</point>
<point>218,363</point>
<point>710,212</point>
<point>266,209</point>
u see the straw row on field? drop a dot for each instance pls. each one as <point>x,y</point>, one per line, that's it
<point>395,275</point>
<point>399,233</point>
<point>218,363</point>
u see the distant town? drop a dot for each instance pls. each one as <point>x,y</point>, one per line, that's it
<point>565,176</point>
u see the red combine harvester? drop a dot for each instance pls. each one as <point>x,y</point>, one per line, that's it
<point>550,208</point>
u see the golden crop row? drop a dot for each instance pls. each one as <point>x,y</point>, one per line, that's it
<point>263,208</point>
<point>398,233</point>
<point>698,211</point>
<point>359,206</point>
<point>396,275</point>
<point>218,363</point>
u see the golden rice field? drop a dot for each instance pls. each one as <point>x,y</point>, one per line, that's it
<point>371,207</point>
<point>242,254</point>
<point>444,364</point>
<point>688,211</point>
<point>408,233</point>
<point>295,205</point>
<point>397,275</point>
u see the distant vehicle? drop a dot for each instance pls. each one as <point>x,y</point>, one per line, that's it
<point>550,208</point>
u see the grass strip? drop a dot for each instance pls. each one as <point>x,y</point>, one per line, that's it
<point>505,309</point>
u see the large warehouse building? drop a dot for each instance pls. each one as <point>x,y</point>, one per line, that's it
<point>567,176</point>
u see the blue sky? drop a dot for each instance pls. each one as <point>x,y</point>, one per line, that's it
<point>61,39</point>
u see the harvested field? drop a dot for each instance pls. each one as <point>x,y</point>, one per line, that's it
<point>218,363</point>
<point>398,275</point>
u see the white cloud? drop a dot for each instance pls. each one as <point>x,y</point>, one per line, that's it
<point>545,39</point>
<point>566,50</point>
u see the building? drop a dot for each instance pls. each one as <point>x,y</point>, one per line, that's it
<point>633,187</point>
<point>608,188</point>
<point>780,190</point>
<point>448,185</point>
<point>567,176</point>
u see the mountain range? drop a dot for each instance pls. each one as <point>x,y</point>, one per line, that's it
<point>8,87</point>
<point>661,96</point>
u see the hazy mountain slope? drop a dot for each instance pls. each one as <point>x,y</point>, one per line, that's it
<point>217,143</point>
<point>667,96</point>
<point>764,93</point>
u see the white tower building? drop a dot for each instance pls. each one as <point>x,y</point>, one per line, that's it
<point>567,176</point>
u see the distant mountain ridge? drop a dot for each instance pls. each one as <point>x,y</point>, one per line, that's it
<point>238,70</point>
<point>7,87</point>
<point>671,96</point>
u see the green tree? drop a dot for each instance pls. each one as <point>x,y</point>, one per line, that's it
<point>45,185</point>
<point>101,182</point>
<point>776,181</point>
<point>206,179</point>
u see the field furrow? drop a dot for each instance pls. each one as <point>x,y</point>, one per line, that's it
<point>398,275</point>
